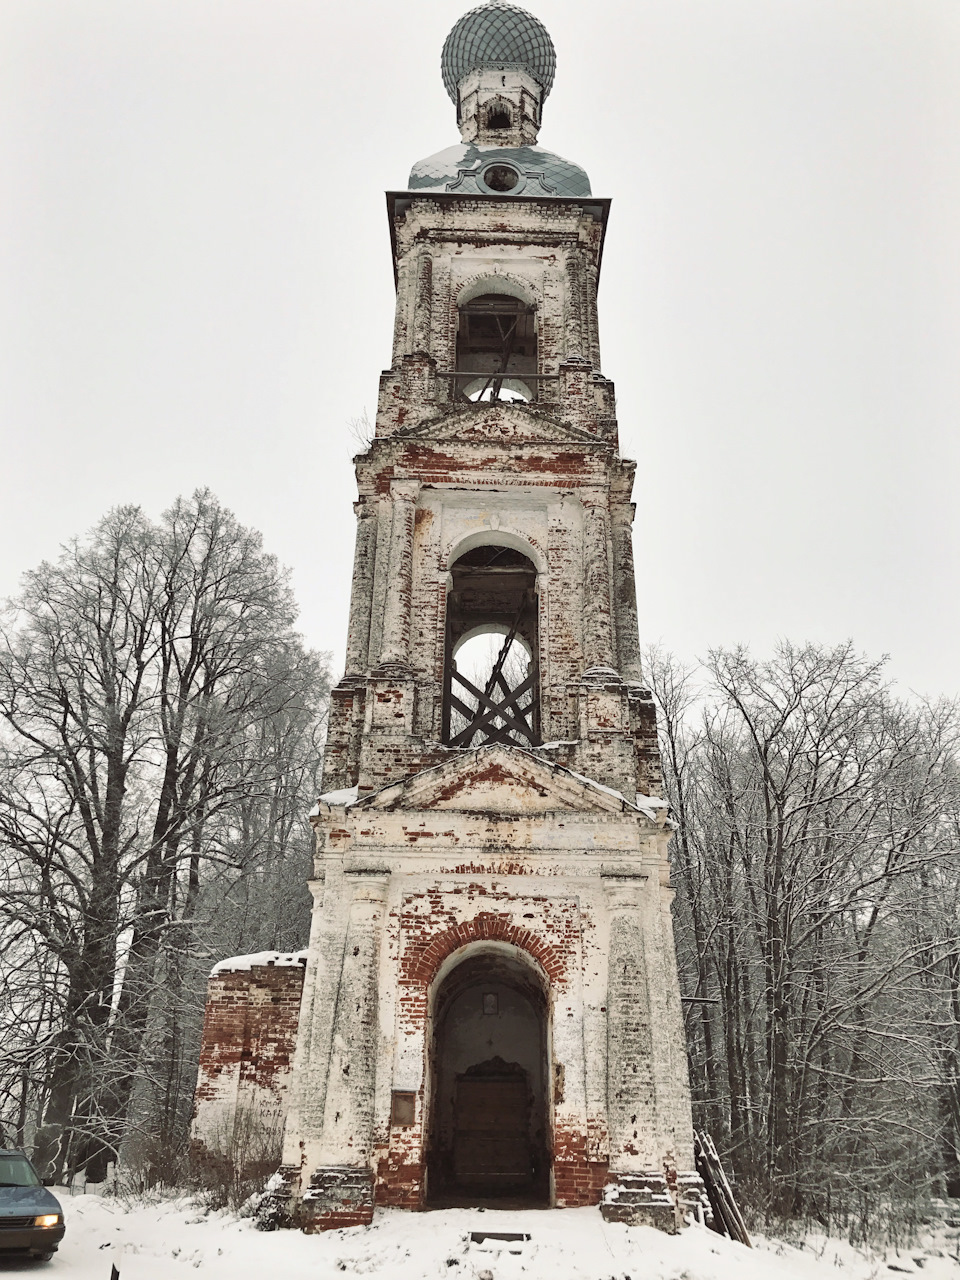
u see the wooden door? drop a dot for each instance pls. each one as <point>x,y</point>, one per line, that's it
<point>491,1141</point>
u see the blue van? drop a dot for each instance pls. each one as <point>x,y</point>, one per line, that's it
<point>31,1220</point>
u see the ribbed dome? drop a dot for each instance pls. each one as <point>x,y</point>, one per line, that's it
<point>498,34</point>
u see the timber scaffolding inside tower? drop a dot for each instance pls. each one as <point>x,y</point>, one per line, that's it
<point>496,349</point>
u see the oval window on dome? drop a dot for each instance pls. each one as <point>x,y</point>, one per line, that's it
<point>500,177</point>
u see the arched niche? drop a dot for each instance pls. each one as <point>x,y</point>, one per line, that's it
<point>491,684</point>
<point>498,115</point>
<point>488,1136</point>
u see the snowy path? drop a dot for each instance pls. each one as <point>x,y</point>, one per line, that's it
<point>172,1239</point>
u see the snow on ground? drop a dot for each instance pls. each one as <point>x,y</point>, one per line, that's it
<point>167,1240</point>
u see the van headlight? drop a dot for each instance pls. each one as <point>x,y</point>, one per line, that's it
<point>47,1220</point>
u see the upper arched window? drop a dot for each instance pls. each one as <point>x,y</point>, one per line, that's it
<point>496,342</point>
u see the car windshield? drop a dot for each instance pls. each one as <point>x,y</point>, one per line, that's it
<point>15,1171</point>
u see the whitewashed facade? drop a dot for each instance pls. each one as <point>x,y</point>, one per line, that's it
<point>491,1010</point>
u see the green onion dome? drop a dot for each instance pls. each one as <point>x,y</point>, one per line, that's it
<point>497,34</point>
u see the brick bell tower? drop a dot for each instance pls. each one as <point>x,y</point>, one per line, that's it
<point>491,1011</point>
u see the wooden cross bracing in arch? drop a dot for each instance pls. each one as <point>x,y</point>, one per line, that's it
<point>497,716</point>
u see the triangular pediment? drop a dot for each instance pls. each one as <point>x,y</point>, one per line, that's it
<point>506,423</point>
<point>499,779</point>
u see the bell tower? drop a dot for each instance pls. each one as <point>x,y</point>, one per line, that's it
<point>491,1006</point>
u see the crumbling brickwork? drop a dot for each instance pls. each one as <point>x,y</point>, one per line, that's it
<point>491,1003</point>
<point>496,849</point>
<point>246,1052</point>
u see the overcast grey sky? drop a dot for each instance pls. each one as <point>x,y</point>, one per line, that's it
<point>195,286</point>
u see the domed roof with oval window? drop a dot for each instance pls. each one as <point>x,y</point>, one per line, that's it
<point>498,34</point>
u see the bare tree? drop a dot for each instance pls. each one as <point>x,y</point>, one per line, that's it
<point>147,680</point>
<point>813,808</point>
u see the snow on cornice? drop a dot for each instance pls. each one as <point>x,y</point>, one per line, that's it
<point>259,960</point>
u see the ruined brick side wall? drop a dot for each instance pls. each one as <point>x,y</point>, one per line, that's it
<point>247,1046</point>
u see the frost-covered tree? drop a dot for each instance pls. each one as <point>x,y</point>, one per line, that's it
<point>161,733</point>
<point>816,864</point>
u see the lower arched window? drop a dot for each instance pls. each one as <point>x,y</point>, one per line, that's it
<point>492,682</point>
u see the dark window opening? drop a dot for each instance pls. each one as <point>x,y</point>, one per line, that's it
<point>499,118</point>
<point>497,343</point>
<point>501,177</point>
<point>492,683</point>
<point>488,1136</point>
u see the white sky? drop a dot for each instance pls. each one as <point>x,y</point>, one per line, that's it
<point>195,286</point>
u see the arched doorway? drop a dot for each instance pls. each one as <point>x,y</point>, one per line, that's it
<point>488,1139</point>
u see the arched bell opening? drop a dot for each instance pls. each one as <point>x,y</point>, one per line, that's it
<point>488,1138</point>
<point>484,389</point>
<point>496,348</point>
<point>491,688</point>
<point>499,115</point>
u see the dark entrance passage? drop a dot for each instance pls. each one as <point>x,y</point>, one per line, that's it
<point>489,1138</point>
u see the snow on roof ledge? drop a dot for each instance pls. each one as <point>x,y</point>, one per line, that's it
<point>648,805</point>
<point>260,960</point>
<point>345,796</point>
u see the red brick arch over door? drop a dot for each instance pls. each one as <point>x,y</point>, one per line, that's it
<point>400,1167</point>
<point>424,956</point>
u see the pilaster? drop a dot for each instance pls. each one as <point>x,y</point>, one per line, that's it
<point>399,587</point>
<point>341,1183</point>
<point>622,512</point>
<point>424,304</point>
<point>361,596</point>
<point>573,312</point>
<point>631,1092</point>
<point>643,1175</point>
<point>598,637</point>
